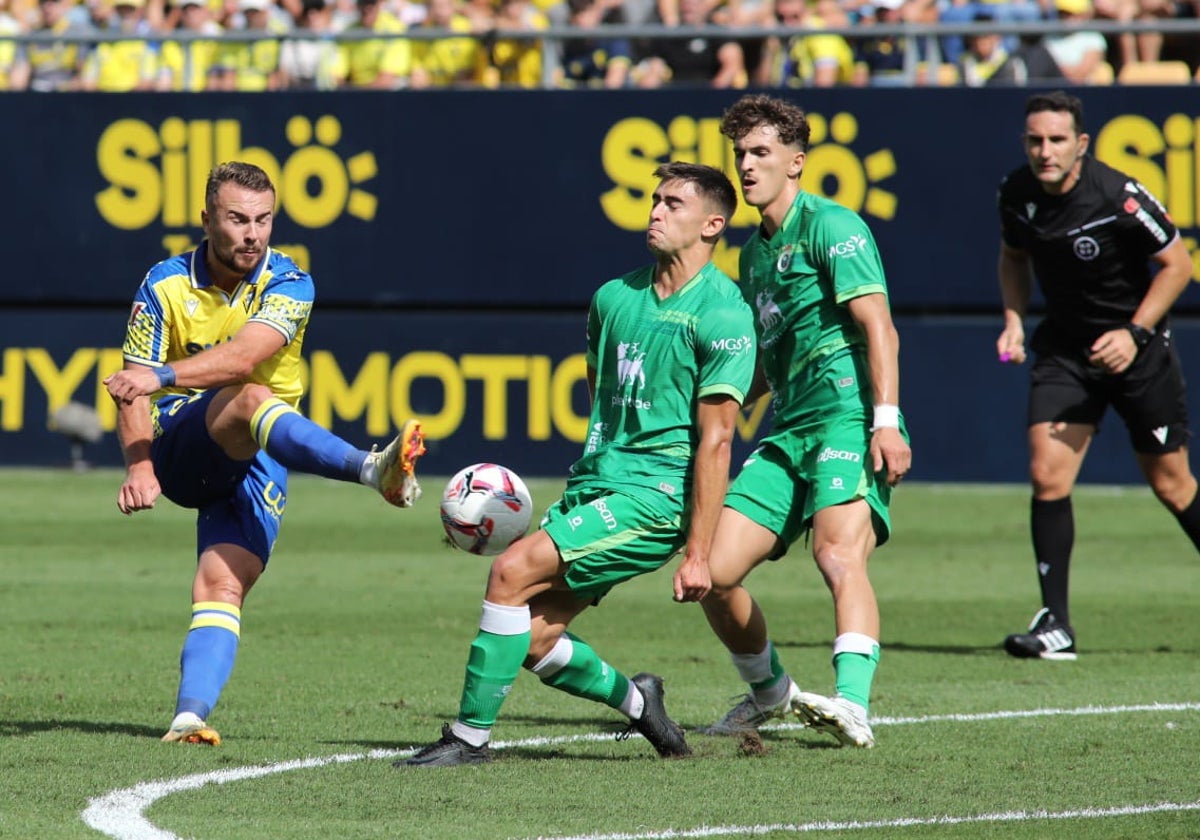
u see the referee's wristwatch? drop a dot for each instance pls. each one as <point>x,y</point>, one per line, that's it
<point>1141,335</point>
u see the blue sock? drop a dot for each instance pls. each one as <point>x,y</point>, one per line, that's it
<point>300,444</point>
<point>208,655</point>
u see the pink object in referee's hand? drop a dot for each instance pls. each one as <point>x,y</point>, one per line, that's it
<point>1006,357</point>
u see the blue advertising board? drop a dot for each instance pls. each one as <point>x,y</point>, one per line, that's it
<point>456,238</point>
<point>511,388</point>
<point>469,199</point>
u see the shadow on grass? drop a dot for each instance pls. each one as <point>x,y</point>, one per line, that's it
<point>87,727</point>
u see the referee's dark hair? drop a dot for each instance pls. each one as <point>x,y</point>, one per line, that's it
<point>711,183</point>
<point>1058,100</point>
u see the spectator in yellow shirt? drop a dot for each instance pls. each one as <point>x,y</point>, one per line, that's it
<point>251,66</point>
<point>513,63</point>
<point>190,65</point>
<point>120,66</point>
<point>376,63</point>
<point>799,60</point>
<point>444,61</point>
<point>14,68</point>
<point>55,65</point>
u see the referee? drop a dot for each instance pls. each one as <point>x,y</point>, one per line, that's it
<point>1090,233</point>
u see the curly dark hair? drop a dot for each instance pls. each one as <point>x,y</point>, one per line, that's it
<point>243,174</point>
<point>758,109</point>
<point>711,184</point>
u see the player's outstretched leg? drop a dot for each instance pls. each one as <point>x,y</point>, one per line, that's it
<point>395,466</point>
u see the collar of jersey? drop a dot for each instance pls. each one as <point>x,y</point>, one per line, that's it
<point>201,280</point>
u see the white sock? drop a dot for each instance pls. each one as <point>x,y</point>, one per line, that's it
<point>472,735</point>
<point>634,703</point>
<point>368,474</point>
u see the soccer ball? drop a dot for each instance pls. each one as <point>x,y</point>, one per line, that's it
<point>486,508</point>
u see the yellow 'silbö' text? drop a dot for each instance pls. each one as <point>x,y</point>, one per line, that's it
<point>158,175</point>
<point>635,146</point>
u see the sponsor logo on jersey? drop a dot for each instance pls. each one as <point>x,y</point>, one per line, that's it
<point>785,259</point>
<point>610,519</point>
<point>831,454</point>
<point>733,346</point>
<point>1086,248</point>
<point>137,309</point>
<point>850,248</point>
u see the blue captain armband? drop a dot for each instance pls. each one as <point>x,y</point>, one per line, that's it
<point>166,375</point>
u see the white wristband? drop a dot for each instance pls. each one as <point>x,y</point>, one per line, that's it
<point>886,417</point>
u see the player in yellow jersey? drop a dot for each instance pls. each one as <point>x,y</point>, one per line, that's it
<point>206,414</point>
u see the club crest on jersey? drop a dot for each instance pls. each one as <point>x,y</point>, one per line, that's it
<point>1086,248</point>
<point>191,305</point>
<point>1030,209</point>
<point>785,259</point>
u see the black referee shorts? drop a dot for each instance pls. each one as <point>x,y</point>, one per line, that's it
<point>1151,397</point>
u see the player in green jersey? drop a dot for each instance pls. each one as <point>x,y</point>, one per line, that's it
<point>828,352</point>
<point>670,354</point>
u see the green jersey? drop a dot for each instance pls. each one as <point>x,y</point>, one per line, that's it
<point>653,360</point>
<point>798,282</point>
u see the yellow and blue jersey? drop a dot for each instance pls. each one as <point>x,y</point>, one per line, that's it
<point>178,311</point>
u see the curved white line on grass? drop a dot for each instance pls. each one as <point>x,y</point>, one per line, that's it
<point>120,814</point>
<point>902,822</point>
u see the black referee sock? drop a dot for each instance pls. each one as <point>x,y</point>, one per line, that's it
<point>1053,527</point>
<point>1189,518</point>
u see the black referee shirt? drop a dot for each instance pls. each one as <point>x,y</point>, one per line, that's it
<point>1091,247</point>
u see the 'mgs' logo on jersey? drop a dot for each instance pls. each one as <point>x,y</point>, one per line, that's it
<point>850,248</point>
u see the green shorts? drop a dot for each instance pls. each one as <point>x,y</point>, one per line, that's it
<point>788,478</point>
<point>607,537</point>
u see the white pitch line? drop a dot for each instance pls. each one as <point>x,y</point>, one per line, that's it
<point>902,822</point>
<point>120,814</point>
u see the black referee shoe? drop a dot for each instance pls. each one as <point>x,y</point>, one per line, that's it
<point>1046,639</point>
<point>664,734</point>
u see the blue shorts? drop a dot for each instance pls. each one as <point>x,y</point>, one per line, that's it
<point>239,502</point>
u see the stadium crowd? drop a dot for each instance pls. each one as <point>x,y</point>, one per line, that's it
<point>331,44</point>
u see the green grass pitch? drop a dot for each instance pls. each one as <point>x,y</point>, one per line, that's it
<point>354,644</point>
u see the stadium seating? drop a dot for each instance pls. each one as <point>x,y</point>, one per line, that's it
<point>1154,73</point>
